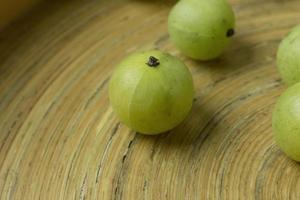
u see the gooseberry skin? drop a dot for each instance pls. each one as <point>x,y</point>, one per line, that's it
<point>288,57</point>
<point>201,29</point>
<point>151,99</point>
<point>286,122</point>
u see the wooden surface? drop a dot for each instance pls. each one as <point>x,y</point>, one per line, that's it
<point>59,138</point>
<point>11,9</point>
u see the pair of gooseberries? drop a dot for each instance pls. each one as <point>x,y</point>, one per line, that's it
<point>286,115</point>
<point>152,92</point>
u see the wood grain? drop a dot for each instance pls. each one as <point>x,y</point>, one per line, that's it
<point>12,9</point>
<point>59,138</point>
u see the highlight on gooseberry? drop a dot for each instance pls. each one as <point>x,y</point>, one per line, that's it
<point>286,122</point>
<point>201,29</point>
<point>288,57</point>
<point>151,92</point>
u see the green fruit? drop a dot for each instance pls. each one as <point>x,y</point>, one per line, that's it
<point>201,29</point>
<point>286,122</point>
<point>288,57</point>
<point>151,92</point>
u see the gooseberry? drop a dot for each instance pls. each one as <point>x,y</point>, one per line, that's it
<point>286,122</point>
<point>201,29</point>
<point>288,57</point>
<point>151,92</point>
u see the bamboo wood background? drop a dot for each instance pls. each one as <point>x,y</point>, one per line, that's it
<point>59,138</point>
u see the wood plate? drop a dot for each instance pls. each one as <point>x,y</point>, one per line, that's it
<point>59,138</point>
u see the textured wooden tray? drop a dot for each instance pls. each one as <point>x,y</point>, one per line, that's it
<point>59,138</point>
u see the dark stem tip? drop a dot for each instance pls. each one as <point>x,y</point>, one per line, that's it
<point>230,32</point>
<point>153,62</point>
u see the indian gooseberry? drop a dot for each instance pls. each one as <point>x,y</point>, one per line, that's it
<point>151,92</point>
<point>201,29</point>
<point>286,122</point>
<point>288,57</point>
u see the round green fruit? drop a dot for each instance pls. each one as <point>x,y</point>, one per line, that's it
<point>201,29</point>
<point>288,57</point>
<point>286,122</point>
<point>151,92</point>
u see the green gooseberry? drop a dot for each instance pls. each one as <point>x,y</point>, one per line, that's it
<point>151,92</point>
<point>201,29</point>
<point>286,122</point>
<point>288,57</point>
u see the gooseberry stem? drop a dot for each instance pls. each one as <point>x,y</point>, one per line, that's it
<point>230,32</point>
<point>153,62</point>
